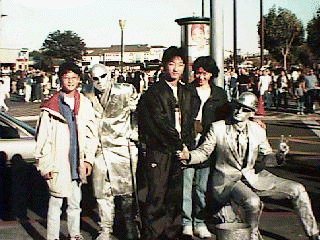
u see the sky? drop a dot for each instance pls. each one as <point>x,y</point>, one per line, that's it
<point>28,22</point>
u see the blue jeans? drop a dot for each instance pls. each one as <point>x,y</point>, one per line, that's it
<point>200,177</point>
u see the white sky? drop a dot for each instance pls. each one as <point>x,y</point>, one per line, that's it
<point>147,21</point>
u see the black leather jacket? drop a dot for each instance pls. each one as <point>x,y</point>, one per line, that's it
<point>156,117</point>
<point>215,108</point>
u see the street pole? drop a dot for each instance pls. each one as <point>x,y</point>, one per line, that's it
<point>1,16</point>
<point>217,38</point>
<point>122,24</point>
<point>235,36</point>
<point>202,8</point>
<point>261,34</point>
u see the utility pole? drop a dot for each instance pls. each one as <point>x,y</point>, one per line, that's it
<point>1,16</point>
<point>235,36</point>
<point>122,24</point>
<point>217,38</point>
<point>202,8</point>
<point>261,34</point>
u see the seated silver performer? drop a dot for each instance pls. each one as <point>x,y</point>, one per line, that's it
<point>237,143</point>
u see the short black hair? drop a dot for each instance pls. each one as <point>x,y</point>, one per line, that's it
<point>172,52</point>
<point>67,67</point>
<point>208,64</point>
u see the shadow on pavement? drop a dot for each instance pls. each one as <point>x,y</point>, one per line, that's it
<point>21,188</point>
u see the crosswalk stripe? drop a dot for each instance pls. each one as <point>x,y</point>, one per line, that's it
<point>312,123</point>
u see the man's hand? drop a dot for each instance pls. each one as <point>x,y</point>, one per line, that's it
<point>88,168</point>
<point>183,155</point>
<point>48,176</point>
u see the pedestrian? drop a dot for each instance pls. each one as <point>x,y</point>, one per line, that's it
<point>312,85</point>
<point>66,142</point>
<point>300,91</point>
<point>283,86</point>
<point>3,95</point>
<point>27,87</point>
<point>244,81</point>
<point>213,105</point>
<point>237,143</point>
<point>166,121</point>
<point>264,83</point>
<point>116,160</point>
<point>37,87</point>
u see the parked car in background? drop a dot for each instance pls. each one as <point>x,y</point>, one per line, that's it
<point>16,139</point>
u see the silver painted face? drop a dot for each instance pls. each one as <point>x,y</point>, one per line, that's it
<point>99,77</point>
<point>241,113</point>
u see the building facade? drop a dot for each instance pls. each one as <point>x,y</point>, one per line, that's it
<point>133,54</point>
<point>15,59</point>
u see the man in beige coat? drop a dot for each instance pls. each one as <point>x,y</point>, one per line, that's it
<point>237,143</point>
<point>66,144</point>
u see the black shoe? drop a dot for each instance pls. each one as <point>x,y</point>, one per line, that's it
<point>186,237</point>
<point>315,237</point>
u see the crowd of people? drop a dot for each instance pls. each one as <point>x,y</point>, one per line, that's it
<point>276,87</point>
<point>173,155</point>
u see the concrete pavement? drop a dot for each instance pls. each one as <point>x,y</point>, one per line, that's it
<point>278,221</point>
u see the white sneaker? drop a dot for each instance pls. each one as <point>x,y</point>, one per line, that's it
<point>187,230</point>
<point>202,232</point>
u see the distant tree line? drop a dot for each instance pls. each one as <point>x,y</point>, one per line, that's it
<point>284,37</point>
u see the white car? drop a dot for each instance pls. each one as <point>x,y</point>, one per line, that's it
<point>16,139</point>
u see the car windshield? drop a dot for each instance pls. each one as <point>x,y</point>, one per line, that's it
<point>24,125</point>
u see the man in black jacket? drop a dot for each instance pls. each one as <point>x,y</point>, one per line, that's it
<point>166,118</point>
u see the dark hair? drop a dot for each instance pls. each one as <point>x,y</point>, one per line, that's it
<point>67,67</point>
<point>1,81</point>
<point>171,53</point>
<point>208,64</point>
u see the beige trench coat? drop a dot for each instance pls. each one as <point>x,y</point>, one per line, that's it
<point>52,147</point>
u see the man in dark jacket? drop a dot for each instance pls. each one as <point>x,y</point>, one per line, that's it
<point>166,118</point>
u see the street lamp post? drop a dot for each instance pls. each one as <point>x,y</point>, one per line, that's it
<point>261,34</point>
<point>235,37</point>
<point>122,24</point>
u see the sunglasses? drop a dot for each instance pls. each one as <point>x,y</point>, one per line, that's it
<point>246,109</point>
<point>243,108</point>
<point>97,78</point>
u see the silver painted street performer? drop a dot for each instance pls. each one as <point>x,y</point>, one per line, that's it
<point>115,164</point>
<point>237,143</point>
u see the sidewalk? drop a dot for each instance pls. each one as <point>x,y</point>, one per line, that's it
<point>275,224</point>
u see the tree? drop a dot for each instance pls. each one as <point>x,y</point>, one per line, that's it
<point>302,55</point>
<point>283,31</point>
<point>64,45</point>
<point>313,34</point>
<point>41,61</point>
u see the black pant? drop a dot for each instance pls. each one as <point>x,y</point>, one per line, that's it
<point>283,96</point>
<point>311,96</point>
<point>161,212</point>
